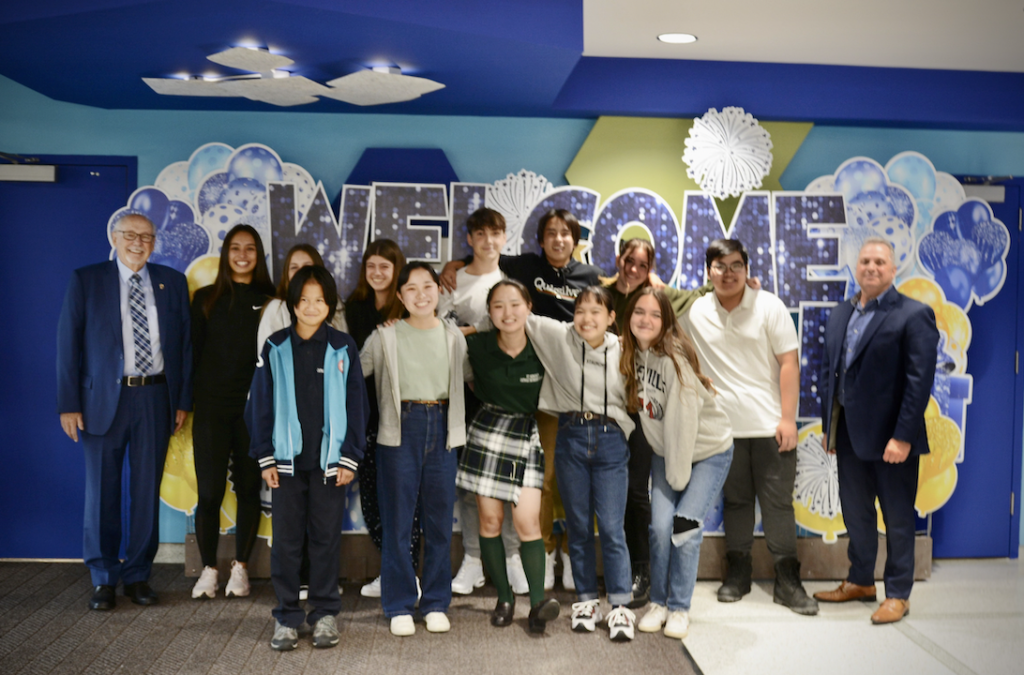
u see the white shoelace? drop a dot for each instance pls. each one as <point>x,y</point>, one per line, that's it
<point>587,608</point>
<point>620,616</point>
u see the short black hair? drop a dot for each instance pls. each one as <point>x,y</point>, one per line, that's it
<point>319,276</point>
<point>720,248</point>
<point>564,215</point>
<point>485,217</point>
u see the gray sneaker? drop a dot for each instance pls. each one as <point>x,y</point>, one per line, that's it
<point>325,632</point>
<point>285,639</point>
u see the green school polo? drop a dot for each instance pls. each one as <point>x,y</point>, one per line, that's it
<point>510,383</point>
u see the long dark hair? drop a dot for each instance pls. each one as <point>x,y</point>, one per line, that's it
<point>672,342</point>
<point>388,250</point>
<point>261,282</point>
<point>308,249</point>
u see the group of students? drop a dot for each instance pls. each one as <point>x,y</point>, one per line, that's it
<point>533,368</point>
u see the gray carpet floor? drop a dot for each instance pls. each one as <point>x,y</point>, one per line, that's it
<point>46,627</point>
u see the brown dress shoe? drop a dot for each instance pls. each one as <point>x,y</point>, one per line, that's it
<point>891,611</point>
<point>847,592</point>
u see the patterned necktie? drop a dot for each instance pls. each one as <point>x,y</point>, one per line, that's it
<point>140,326</point>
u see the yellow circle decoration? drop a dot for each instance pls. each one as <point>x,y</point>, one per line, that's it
<point>933,493</point>
<point>201,272</point>
<point>178,489</point>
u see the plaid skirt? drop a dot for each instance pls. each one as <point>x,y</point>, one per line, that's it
<point>502,455</point>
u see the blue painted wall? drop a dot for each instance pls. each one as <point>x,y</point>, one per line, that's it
<point>480,149</point>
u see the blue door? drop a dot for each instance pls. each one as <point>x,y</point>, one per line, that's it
<point>48,229</point>
<point>977,521</point>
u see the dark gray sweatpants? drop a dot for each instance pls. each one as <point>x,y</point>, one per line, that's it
<point>760,470</point>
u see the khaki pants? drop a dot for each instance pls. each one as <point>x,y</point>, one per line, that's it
<point>547,427</point>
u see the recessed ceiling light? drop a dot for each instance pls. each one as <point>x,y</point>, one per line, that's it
<point>677,38</point>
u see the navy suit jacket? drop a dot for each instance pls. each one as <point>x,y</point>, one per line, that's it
<point>90,350</point>
<point>889,378</point>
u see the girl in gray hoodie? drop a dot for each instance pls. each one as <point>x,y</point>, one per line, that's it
<point>692,442</point>
<point>582,385</point>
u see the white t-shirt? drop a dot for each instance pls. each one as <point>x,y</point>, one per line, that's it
<point>737,351</point>
<point>468,305</point>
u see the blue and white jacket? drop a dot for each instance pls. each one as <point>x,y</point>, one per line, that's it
<point>273,419</point>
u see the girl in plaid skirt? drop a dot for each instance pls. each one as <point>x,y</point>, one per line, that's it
<point>503,461</point>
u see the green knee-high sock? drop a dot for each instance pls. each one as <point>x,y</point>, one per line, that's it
<point>492,551</point>
<point>532,553</point>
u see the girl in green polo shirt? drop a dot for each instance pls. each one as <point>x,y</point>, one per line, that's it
<point>503,460</point>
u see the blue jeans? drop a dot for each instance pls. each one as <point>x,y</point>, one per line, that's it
<point>674,566</point>
<point>592,468</point>
<point>419,471</point>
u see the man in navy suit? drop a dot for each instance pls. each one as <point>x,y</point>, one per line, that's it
<point>876,378</point>
<point>124,380</point>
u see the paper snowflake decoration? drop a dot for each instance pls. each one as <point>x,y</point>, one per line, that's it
<point>728,152</point>
<point>515,197</point>
<point>817,479</point>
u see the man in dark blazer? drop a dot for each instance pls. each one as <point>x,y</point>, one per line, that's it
<point>124,380</point>
<point>876,378</point>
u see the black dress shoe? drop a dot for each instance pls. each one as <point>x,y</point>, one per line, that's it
<point>103,598</point>
<point>546,610</point>
<point>140,593</point>
<point>503,613</point>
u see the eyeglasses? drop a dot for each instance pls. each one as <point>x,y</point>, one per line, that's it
<point>132,236</point>
<point>735,267</point>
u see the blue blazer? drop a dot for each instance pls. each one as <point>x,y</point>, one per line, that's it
<point>889,378</point>
<point>90,352</point>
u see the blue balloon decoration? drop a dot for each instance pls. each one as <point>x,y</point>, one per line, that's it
<point>256,162</point>
<point>209,158</point>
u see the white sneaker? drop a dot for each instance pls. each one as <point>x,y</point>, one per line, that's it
<point>207,585</point>
<point>402,626</point>
<point>585,615</point>
<point>678,625</point>
<point>470,576</point>
<point>517,575</point>
<point>437,622</point>
<point>549,570</point>
<point>567,582</point>
<point>621,621</point>
<point>371,590</point>
<point>654,619</point>
<point>238,584</point>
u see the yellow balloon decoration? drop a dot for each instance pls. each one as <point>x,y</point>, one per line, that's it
<point>228,509</point>
<point>201,272</point>
<point>178,489</point>
<point>949,318</point>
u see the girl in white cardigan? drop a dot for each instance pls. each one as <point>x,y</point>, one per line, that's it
<point>692,442</point>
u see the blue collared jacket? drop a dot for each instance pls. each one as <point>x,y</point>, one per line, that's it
<point>272,417</point>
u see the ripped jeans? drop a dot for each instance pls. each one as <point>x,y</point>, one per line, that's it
<point>674,565</point>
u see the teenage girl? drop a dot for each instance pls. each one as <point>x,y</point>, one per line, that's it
<point>503,460</point>
<point>374,301</point>
<point>225,317</point>
<point>692,442</point>
<point>583,387</point>
<point>420,363</point>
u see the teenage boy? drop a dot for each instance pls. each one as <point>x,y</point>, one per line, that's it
<point>467,306</point>
<point>307,416</point>
<point>554,280</point>
<point>747,344</point>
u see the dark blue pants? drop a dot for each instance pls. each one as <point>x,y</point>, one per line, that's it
<point>419,471</point>
<point>895,486</point>
<point>141,428</point>
<point>303,504</point>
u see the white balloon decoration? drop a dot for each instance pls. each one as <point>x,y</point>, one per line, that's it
<point>728,152</point>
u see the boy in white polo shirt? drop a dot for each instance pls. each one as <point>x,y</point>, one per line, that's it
<point>467,306</point>
<point>748,345</point>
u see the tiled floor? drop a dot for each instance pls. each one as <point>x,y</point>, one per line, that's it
<point>968,618</point>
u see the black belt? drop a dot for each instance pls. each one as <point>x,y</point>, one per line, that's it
<point>143,380</point>
<point>591,416</point>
